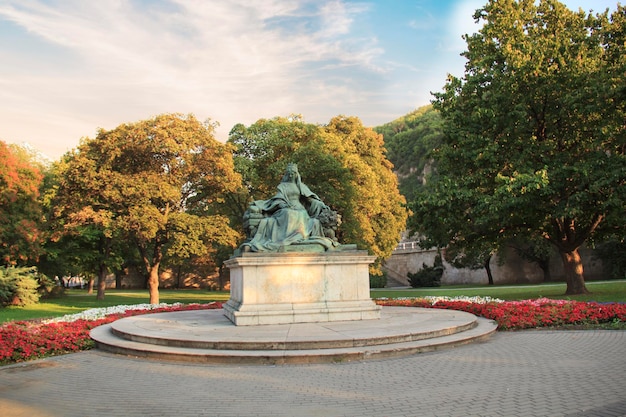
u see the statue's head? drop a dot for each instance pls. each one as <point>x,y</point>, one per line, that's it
<point>291,173</point>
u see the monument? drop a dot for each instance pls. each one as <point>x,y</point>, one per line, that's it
<point>291,268</point>
<point>297,296</point>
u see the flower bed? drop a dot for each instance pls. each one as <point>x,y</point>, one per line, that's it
<point>513,315</point>
<point>24,340</point>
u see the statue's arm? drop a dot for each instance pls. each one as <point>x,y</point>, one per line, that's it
<point>275,203</point>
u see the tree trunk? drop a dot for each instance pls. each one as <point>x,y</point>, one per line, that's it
<point>152,269</point>
<point>153,284</point>
<point>573,267</point>
<point>488,269</point>
<point>118,280</point>
<point>179,272</point>
<point>90,284</point>
<point>545,267</point>
<point>102,274</point>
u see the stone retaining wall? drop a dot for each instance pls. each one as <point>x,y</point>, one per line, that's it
<point>515,270</point>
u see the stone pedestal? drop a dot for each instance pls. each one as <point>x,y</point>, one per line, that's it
<point>296,287</point>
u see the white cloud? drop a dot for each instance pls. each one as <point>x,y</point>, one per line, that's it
<point>233,61</point>
<point>72,66</point>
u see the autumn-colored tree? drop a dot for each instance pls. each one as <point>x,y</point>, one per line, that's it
<point>20,208</point>
<point>375,214</point>
<point>153,181</point>
<point>535,134</point>
<point>343,162</point>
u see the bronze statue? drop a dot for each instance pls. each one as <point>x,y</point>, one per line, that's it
<point>294,216</point>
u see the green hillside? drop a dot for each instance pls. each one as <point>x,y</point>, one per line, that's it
<point>409,140</point>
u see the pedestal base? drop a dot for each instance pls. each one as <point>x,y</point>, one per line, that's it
<point>280,288</point>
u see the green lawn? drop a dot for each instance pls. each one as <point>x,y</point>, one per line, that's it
<point>601,291</point>
<point>78,300</point>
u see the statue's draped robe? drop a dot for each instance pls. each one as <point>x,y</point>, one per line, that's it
<point>290,218</point>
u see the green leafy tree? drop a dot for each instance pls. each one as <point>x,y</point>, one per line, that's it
<point>343,162</point>
<point>263,150</point>
<point>535,134</point>
<point>153,181</point>
<point>410,141</point>
<point>77,241</point>
<point>83,230</point>
<point>20,208</point>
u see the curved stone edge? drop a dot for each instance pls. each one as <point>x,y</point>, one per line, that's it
<point>125,329</point>
<point>107,342</point>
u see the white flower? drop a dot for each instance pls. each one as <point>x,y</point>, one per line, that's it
<point>98,313</point>
<point>475,299</point>
<point>435,299</point>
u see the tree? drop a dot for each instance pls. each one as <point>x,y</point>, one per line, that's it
<point>534,134</point>
<point>343,162</point>
<point>83,230</point>
<point>20,209</point>
<point>375,215</point>
<point>154,182</point>
<point>263,150</point>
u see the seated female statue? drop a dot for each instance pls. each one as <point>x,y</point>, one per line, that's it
<point>290,217</point>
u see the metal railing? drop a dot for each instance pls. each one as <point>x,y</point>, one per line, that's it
<point>407,246</point>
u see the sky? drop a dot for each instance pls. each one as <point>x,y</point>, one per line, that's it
<point>71,67</point>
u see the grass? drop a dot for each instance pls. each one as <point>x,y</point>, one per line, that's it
<point>601,291</point>
<point>78,300</point>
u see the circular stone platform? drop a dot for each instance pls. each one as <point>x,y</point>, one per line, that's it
<point>208,336</point>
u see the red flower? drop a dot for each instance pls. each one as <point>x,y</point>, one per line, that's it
<point>528,313</point>
<point>23,340</point>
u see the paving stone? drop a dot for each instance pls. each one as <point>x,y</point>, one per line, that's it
<point>526,373</point>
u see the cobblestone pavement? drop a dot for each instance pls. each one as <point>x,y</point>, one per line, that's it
<point>527,373</point>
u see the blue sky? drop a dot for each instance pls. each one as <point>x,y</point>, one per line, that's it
<point>70,67</point>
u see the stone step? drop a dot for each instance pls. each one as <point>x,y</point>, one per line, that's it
<point>205,336</point>
<point>210,329</point>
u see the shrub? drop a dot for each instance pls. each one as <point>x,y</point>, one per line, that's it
<point>378,281</point>
<point>18,286</point>
<point>428,276</point>
<point>48,288</point>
